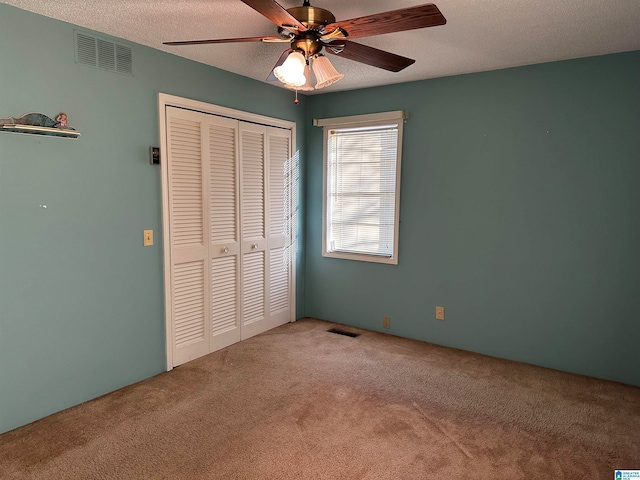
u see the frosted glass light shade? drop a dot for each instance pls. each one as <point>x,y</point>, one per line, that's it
<point>291,72</point>
<point>308,86</point>
<point>324,72</point>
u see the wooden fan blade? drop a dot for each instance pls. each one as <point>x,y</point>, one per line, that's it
<point>410,18</point>
<point>369,55</point>
<point>276,13</point>
<point>228,40</point>
<point>283,57</point>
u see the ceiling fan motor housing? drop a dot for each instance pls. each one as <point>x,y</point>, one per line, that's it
<point>315,19</point>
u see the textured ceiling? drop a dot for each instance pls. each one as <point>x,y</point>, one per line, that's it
<point>479,35</point>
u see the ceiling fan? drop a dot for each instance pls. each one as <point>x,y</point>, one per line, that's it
<point>310,30</point>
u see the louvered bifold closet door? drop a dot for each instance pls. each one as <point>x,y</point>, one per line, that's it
<point>253,218</point>
<point>224,183</point>
<point>229,276</point>
<point>279,190</point>
<point>187,172</point>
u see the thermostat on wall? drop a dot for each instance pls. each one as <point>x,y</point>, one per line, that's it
<point>154,155</point>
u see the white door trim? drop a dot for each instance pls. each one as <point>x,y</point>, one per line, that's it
<point>164,101</point>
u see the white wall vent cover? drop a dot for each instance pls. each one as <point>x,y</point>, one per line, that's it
<point>105,54</point>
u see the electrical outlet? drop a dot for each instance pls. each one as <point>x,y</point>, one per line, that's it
<point>439,313</point>
<point>386,322</point>
<point>148,238</point>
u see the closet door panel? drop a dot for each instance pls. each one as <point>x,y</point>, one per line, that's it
<point>253,218</point>
<point>279,194</point>
<point>252,144</point>
<point>224,250</point>
<point>225,302</point>
<point>278,281</point>
<point>189,301</point>
<point>253,275</point>
<point>188,236</point>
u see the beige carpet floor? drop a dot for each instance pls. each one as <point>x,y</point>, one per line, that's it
<point>301,403</point>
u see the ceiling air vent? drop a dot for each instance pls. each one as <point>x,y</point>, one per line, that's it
<point>102,53</point>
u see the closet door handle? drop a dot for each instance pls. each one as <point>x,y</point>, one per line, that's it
<point>254,246</point>
<point>225,250</point>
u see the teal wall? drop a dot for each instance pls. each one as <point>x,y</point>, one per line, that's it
<point>81,300</point>
<point>520,214</point>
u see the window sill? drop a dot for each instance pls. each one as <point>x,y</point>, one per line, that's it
<point>361,257</point>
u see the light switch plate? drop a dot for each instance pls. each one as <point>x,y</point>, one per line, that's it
<point>148,238</point>
<point>439,313</point>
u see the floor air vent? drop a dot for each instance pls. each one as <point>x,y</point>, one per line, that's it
<point>102,53</point>
<point>343,332</point>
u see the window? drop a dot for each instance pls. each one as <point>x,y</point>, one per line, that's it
<point>361,201</point>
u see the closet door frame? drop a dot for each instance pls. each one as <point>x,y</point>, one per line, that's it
<point>164,101</point>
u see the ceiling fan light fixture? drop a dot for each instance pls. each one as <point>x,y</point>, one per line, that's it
<point>291,72</point>
<point>325,73</point>
<point>308,86</point>
<point>309,29</point>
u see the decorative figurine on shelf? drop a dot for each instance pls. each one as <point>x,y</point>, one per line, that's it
<point>39,124</point>
<point>61,121</point>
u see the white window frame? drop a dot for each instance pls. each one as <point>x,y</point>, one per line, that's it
<point>396,118</point>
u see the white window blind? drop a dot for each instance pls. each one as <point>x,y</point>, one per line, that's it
<point>362,189</point>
